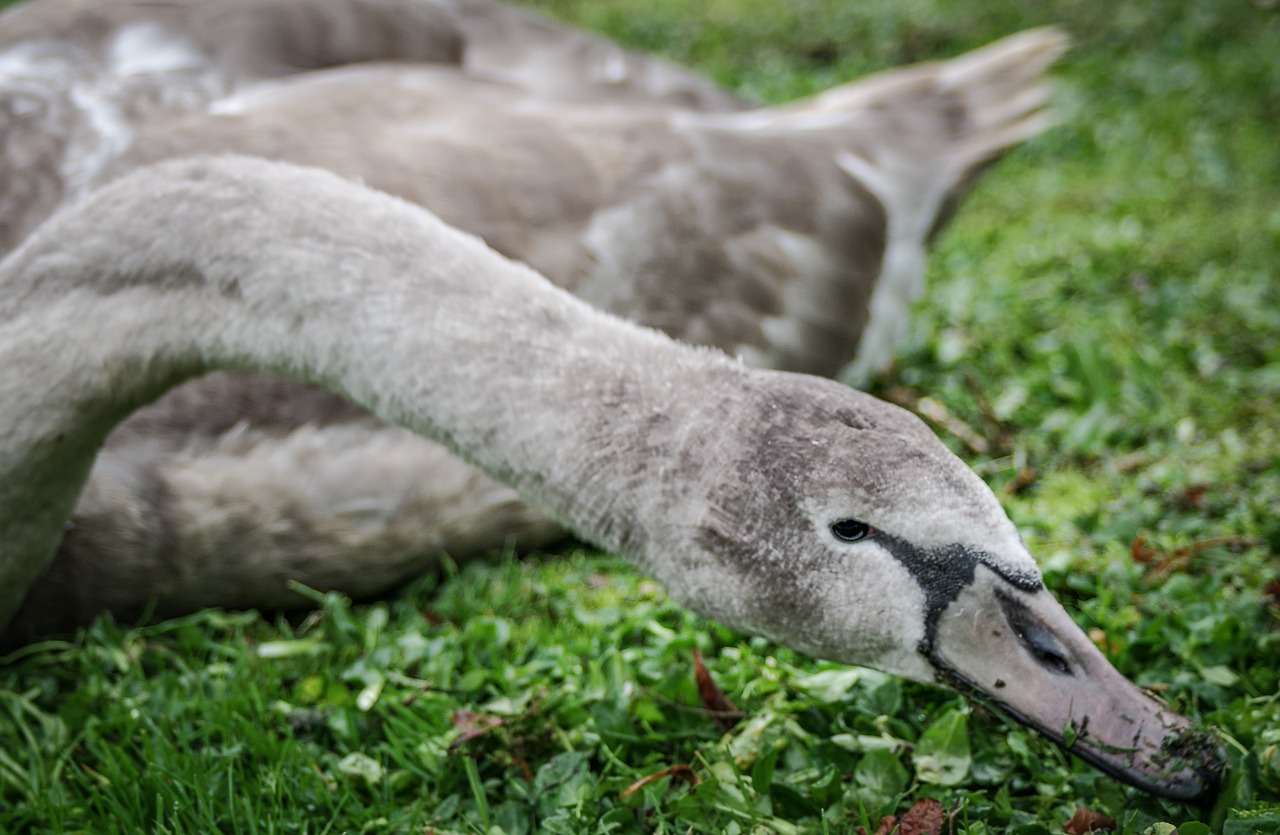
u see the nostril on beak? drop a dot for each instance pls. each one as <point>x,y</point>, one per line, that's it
<point>1039,641</point>
<point>1049,658</point>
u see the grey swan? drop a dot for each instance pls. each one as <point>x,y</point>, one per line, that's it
<point>232,485</point>
<point>783,505</point>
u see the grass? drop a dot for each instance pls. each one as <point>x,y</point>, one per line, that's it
<point>1105,310</point>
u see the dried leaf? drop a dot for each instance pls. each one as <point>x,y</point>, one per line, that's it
<point>1085,821</point>
<point>1024,478</point>
<point>722,711</point>
<point>1101,641</point>
<point>1003,438</point>
<point>1140,551</point>
<point>525,771</point>
<point>924,818</point>
<point>473,725</point>
<point>937,411</point>
<point>1193,497</point>
<point>1165,563</point>
<point>683,773</point>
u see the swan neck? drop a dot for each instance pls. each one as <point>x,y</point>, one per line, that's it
<point>232,263</point>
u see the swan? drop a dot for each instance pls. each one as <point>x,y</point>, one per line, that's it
<point>783,505</point>
<point>792,236</point>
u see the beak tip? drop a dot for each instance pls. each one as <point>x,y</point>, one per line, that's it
<point>1189,766</point>
<point>1198,762</point>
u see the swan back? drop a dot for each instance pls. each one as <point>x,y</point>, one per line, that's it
<point>794,236</point>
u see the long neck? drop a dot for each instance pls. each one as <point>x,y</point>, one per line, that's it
<point>206,264</point>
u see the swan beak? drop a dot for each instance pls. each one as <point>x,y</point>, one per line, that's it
<point>1023,652</point>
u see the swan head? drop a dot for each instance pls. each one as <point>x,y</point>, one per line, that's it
<point>841,526</point>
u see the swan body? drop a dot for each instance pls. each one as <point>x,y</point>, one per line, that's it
<point>792,236</point>
<point>77,77</point>
<point>235,43</point>
<point>723,482</point>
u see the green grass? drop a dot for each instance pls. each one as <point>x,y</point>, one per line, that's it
<point>1106,309</point>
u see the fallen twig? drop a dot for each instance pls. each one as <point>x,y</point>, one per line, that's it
<point>1166,563</point>
<point>1003,437</point>
<point>683,773</point>
<point>936,412</point>
<point>722,711</point>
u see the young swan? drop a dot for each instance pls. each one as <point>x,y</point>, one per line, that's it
<point>783,505</point>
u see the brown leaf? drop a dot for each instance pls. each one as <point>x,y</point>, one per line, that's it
<point>1165,563</point>
<point>1193,497</point>
<point>1003,439</point>
<point>473,725</point>
<point>525,771</point>
<point>1021,481</point>
<point>1141,551</point>
<point>1084,821</point>
<point>937,412</point>
<point>683,773</point>
<point>1234,544</point>
<point>924,818</point>
<point>1101,641</point>
<point>722,711</point>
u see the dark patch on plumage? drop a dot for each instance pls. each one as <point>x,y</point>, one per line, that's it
<point>737,539</point>
<point>178,278</point>
<point>153,492</point>
<point>549,320</point>
<point>651,458</point>
<point>761,502</point>
<point>792,416</point>
<point>209,407</point>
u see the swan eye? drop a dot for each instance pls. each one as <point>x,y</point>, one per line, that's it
<point>850,530</point>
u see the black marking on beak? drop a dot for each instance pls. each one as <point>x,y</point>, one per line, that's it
<point>943,573</point>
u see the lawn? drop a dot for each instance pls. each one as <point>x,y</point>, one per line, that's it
<point>1102,325</point>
